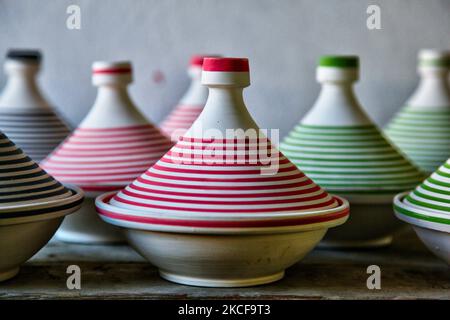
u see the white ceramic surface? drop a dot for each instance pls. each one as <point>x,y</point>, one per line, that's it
<point>190,105</point>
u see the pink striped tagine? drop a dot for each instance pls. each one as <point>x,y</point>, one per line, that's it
<point>191,104</point>
<point>223,208</point>
<point>112,146</point>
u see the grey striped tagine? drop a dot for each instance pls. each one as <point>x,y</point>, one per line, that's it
<point>427,209</point>
<point>25,114</point>
<point>32,206</point>
<point>339,147</point>
<point>421,129</point>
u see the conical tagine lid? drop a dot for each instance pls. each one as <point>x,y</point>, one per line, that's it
<point>422,128</point>
<point>428,205</point>
<point>114,144</point>
<point>339,147</point>
<point>223,173</point>
<point>25,115</point>
<point>26,189</point>
<point>191,104</point>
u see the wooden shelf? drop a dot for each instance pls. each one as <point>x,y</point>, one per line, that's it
<point>408,271</point>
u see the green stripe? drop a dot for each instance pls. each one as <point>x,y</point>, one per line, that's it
<point>428,205</point>
<point>421,216</point>
<point>443,174</point>
<point>439,183</point>
<point>431,189</point>
<point>426,196</point>
<point>444,63</point>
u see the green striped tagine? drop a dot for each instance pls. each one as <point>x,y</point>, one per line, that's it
<point>421,129</point>
<point>423,134</point>
<point>27,190</point>
<point>355,160</point>
<point>427,208</point>
<point>339,147</point>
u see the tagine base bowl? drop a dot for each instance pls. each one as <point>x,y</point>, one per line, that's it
<point>20,241</point>
<point>438,242</point>
<point>86,227</point>
<point>223,260</point>
<point>368,226</point>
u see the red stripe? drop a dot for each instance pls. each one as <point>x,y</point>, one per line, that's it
<point>112,70</point>
<point>313,188</point>
<point>234,188</point>
<point>101,188</point>
<point>227,224</point>
<point>278,209</point>
<point>206,179</point>
<point>209,202</point>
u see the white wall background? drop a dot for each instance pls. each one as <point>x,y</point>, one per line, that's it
<point>282,39</point>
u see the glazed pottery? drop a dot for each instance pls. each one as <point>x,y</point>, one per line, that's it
<point>422,128</point>
<point>112,146</point>
<point>25,115</point>
<point>223,208</point>
<point>32,206</point>
<point>191,104</point>
<point>341,149</point>
<point>427,209</point>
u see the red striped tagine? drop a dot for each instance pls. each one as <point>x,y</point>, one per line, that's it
<point>191,104</point>
<point>112,146</point>
<point>25,114</point>
<point>32,206</point>
<point>223,208</point>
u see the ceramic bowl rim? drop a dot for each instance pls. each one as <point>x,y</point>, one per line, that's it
<point>419,216</point>
<point>338,216</point>
<point>77,196</point>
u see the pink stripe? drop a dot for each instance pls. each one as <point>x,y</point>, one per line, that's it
<point>312,189</point>
<point>279,209</point>
<point>234,188</point>
<point>198,161</point>
<point>226,172</point>
<point>125,128</point>
<point>236,180</point>
<point>209,202</point>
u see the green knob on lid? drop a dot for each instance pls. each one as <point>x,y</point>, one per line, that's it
<point>339,61</point>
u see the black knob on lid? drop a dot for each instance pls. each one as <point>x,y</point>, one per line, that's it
<point>25,55</point>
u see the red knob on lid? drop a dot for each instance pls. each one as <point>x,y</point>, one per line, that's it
<point>101,67</point>
<point>225,64</point>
